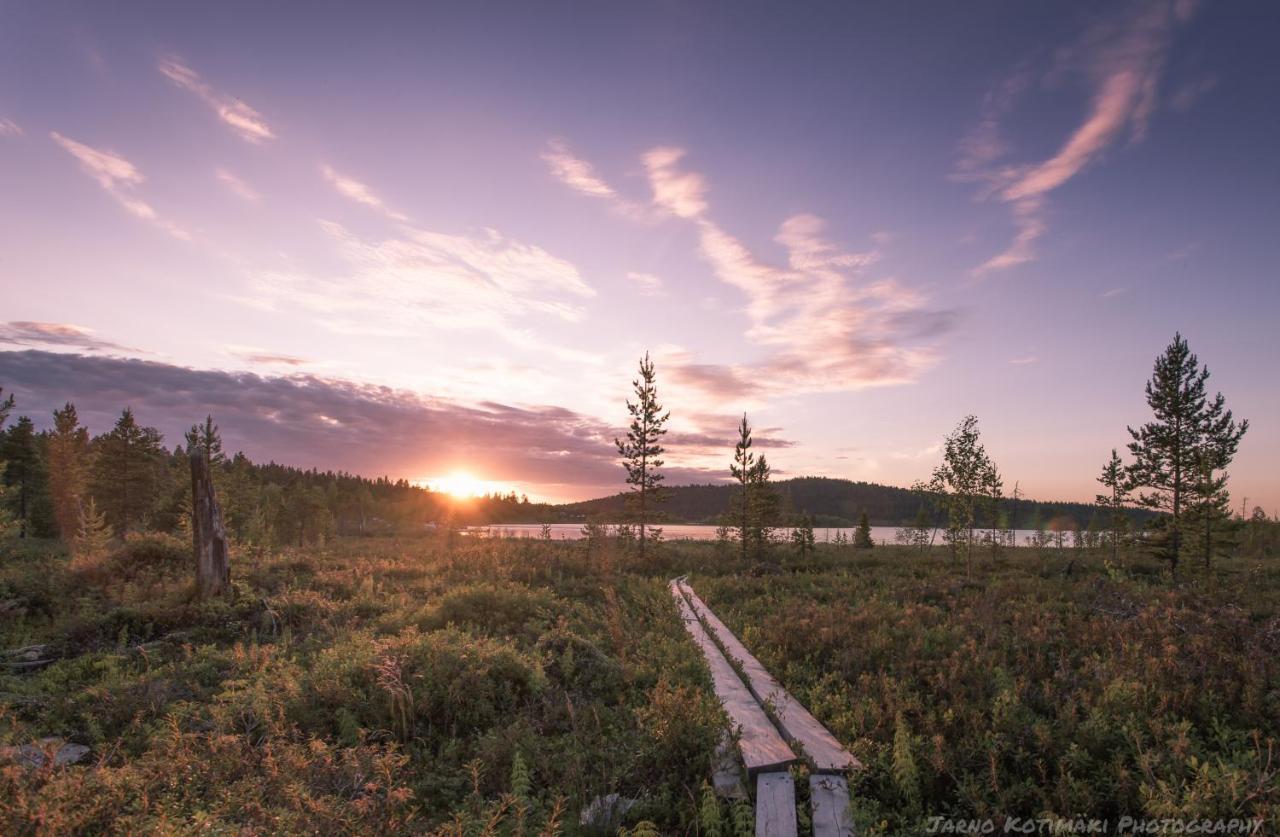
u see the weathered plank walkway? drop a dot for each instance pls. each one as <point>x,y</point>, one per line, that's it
<point>798,726</point>
<point>761,746</point>
<point>775,790</point>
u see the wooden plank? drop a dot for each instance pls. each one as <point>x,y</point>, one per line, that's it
<point>797,724</point>
<point>829,799</point>
<point>761,746</point>
<point>775,805</point>
<point>726,771</point>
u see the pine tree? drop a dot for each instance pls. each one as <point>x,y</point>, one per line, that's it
<point>967,482</point>
<point>741,469</point>
<point>1116,481</point>
<point>1189,432</point>
<point>642,451</point>
<point>68,471</point>
<point>862,535</point>
<point>92,532</point>
<point>127,468</point>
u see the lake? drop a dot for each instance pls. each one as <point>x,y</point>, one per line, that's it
<point>689,532</point>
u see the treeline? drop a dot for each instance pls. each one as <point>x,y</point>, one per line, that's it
<point>86,489</point>
<point>836,502</point>
<point>1171,500</point>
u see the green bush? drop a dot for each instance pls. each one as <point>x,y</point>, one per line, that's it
<point>425,686</point>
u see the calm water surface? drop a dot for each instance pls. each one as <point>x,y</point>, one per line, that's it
<point>687,532</point>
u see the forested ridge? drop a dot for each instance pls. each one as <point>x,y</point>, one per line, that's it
<point>833,502</point>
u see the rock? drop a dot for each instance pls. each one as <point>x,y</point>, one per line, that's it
<point>29,665</point>
<point>27,658</point>
<point>605,813</point>
<point>36,755</point>
<point>12,607</point>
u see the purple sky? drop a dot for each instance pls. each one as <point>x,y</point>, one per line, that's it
<point>434,238</point>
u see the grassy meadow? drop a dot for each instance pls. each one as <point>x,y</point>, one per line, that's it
<point>451,685</point>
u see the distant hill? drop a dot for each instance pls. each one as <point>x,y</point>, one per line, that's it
<point>833,502</point>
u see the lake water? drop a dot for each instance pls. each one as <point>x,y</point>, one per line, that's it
<point>688,532</point>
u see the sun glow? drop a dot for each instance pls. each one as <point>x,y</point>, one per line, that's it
<point>462,485</point>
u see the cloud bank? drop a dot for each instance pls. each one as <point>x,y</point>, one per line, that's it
<point>311,421</point>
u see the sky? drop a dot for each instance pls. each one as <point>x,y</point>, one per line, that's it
<point>432,240</point>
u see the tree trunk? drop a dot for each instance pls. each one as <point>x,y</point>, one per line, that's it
<point>209,537</point>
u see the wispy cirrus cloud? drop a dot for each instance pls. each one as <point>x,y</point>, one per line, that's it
<point>825,327</point>
<point>241,118</point>
<point>580,176</point>
<point>27,333</point>
<point>9,128</point>
<point>237,185</point>
<point>1123,61</point>
<point>681,193</point>
<point>353,189</point>
<point>648,284</point>
<point>398,285</point>
<point>259,357</point>
<point>575,173</point>
<point>1185,97</point>
<point>118,177</point>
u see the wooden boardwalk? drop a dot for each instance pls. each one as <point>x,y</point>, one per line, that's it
<point>764,714</point>
<point>798,726</point>
<point>761,746</point>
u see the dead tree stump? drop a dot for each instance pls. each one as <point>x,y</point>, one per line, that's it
<point>208,535</point>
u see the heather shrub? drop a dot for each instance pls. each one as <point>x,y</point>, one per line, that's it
<point>424,686</point>
<point>496,609</point>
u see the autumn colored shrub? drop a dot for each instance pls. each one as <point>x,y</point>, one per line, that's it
<point>379,685</point>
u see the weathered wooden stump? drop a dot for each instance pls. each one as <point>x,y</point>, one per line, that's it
<point>208,535</point>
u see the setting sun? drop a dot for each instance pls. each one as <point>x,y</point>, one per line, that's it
<point>462,485</point>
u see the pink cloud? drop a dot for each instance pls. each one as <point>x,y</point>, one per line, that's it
<point>824,326</point>
<point>118,177</point>
<point>1124,61</point>
<point>355,190</point>
<point>242,119</point>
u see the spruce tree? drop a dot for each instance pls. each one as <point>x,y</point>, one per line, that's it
<point>6,519</point>
<point>802,537</point>
<point>1209,511</point>
<point>862,535</point>
<point>127,468</point>
<point>764,506</point>
<point>23,475</point>
<point>68,471</point>
<point>208,441</point>
<point>1189,433</point>
<point>642,450</point>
